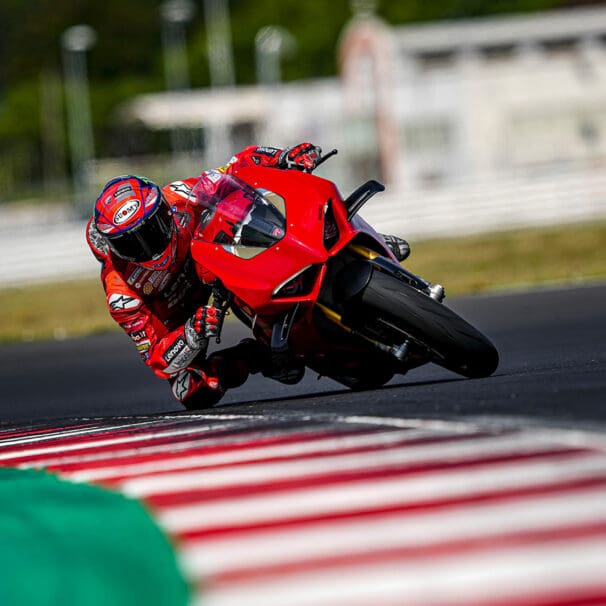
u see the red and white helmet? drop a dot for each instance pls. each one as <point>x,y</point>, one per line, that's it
<point>136,221</point>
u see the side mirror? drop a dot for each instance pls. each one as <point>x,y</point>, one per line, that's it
<point>360,196</point>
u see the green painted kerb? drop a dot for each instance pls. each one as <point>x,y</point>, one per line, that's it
<point>65,544</point>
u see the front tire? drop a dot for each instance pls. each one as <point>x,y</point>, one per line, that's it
<point>454,343</point>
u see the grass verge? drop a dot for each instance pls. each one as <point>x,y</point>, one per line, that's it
<point>53,311</point>
<point>472,264</point>
<point>513,260</point>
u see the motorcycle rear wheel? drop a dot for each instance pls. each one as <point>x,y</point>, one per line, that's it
<point>454,343</point>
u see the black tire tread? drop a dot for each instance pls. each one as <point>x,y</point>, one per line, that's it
<point>460,347</point>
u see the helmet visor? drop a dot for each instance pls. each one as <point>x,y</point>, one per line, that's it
<point>147,240</point>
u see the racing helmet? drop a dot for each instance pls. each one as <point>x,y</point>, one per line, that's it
<point>136,221</point>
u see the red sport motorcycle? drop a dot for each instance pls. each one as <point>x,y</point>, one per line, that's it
<point>318,285</point>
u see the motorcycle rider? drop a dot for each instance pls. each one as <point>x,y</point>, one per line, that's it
<point>141,234</point>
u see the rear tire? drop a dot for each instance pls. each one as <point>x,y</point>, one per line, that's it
<point>456,344</point>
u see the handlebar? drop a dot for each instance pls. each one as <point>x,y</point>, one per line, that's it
<point>325,157</point>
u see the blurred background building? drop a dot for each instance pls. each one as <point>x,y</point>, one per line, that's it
<point>474,124</point>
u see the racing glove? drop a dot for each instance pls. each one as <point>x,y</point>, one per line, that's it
<point>203,325</point>
<point>304,156</point>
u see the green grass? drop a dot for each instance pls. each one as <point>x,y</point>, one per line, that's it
<point>53,311</point>
<point>507,260</point>
<point>513,260</point>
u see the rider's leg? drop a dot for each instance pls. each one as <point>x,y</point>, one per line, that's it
<point>194,389</point>
<point>233,365</point>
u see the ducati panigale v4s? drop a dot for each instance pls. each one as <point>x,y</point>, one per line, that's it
<point>319,286</point>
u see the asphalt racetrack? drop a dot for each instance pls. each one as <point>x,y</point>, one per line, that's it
<point>432,490</point>
<point>552,370</point>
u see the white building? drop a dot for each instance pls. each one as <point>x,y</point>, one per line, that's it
<point>482,97</point>
<point>472,124</point>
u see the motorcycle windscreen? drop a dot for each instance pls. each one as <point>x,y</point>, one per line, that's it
<point>244,220</point>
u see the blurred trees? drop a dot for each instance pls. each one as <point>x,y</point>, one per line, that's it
<point>127,59</point>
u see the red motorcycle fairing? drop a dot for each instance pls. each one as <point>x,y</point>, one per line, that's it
<point>319,285</point>
<point>260,273</point>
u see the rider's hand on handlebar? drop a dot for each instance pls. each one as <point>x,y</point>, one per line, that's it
<point>304,156</point>
<point>203,325</point>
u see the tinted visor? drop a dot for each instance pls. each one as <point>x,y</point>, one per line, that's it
<point>147,240</point>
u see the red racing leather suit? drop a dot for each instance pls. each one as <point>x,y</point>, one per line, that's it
<point>153,306</point>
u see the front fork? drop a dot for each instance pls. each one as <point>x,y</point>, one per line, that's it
<point>397,351</point>
<point>434,291</point>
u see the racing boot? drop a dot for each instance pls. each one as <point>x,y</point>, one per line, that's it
<point>279,366</point>
<point>399,247</point>
<point>285,370</point>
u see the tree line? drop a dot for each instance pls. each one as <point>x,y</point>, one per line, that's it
<point>127,60</point>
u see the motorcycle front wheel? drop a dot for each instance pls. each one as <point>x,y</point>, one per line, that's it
<point>453,342</point>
